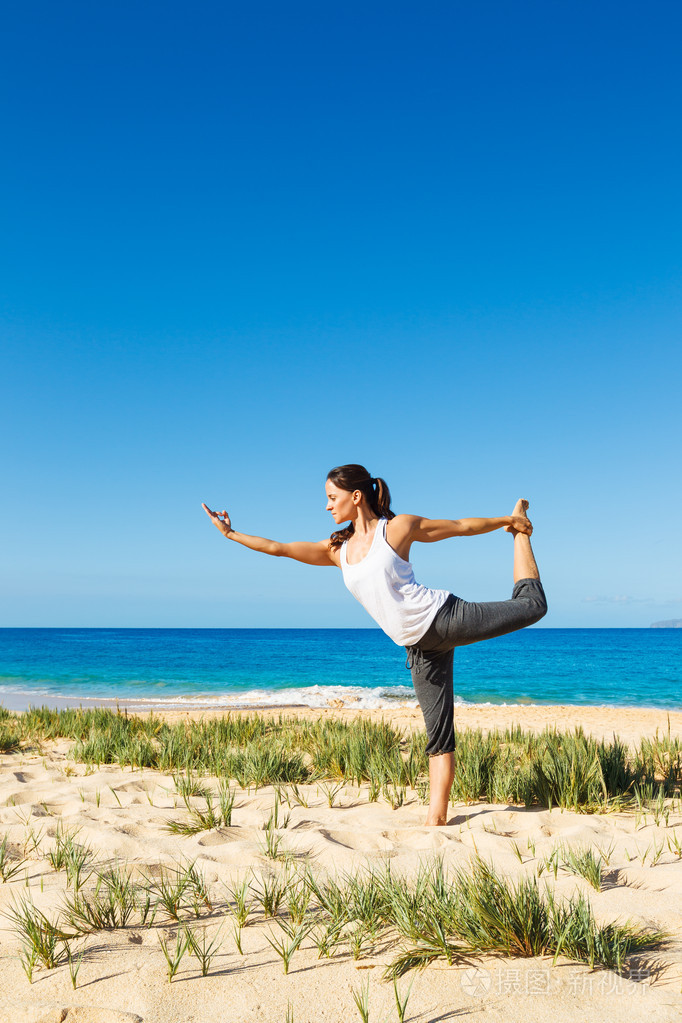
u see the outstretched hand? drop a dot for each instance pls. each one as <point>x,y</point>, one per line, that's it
<point>221,520</point>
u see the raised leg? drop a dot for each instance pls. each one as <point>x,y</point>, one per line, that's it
<point>525,566</point>
<point>460,623</point>
<point>441,777</point>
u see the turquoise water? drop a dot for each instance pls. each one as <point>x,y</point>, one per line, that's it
<point>280,667</point>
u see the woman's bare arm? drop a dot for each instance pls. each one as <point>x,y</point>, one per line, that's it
<point>431,530</point>
<point>309,553</point>
<point>403,530</point>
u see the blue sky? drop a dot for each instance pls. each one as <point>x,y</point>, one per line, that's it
<point>245,243</point>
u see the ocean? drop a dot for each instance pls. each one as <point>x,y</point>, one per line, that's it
<point>230,668</point>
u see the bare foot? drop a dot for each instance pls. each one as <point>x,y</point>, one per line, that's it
<point>520,509</point>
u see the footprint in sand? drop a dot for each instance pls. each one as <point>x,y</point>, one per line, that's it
<point>499,833</point>
<point>361,843</point>
<point>431,839</point>
<point>214,838</point>
<point>132,830</point>
<point>134,786</point>
<point>87,1014</point>
<point>304,826</point>
<point>26,798</point>
<point>13,799</point>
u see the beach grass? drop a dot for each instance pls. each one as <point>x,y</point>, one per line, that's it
<point>585,863</point>
<point>9,866</point>
<point>428,915</point>
<point>111,905</point>
<point>289,941</point>
<point>570,770</point>
<point>174,955</point>
<point>43,941</point>
<point>238,892</point>
<point>479,911</point>
<point>203,948</point>
<point>206,818</point>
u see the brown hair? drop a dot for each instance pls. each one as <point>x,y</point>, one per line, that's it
<point>355,477</point>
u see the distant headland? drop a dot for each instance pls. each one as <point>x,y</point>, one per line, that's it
<point>672,623</point>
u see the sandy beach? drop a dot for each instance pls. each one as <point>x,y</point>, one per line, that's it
<point>121,816</point>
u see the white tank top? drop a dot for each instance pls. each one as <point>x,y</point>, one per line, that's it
<point>385,586</point>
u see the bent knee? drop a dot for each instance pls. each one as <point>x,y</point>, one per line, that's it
<point>533,595</point>
<point>538,608</point>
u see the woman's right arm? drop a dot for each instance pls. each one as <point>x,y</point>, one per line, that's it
<point>309,553</point>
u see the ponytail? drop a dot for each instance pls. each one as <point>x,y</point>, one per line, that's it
<point>382,496</point>
<point>355,477</point>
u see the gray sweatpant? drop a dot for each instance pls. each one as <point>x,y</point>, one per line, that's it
<point>459,623</point>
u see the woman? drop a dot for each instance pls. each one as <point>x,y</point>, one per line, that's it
<point>373,554</point>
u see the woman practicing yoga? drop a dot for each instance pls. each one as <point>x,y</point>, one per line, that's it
<point>373,554</point>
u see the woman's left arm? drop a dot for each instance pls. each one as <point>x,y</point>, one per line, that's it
<point>431,530</point>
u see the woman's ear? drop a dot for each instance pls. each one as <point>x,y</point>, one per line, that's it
<point>357,496</point>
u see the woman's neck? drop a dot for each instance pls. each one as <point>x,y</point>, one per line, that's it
<point>365,522</point>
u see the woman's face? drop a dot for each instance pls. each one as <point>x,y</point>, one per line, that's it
<point>341,503</point>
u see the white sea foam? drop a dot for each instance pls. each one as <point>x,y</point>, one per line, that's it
<point>360,697</point>
<point>317,696</point>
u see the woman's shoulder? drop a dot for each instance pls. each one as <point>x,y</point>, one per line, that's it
<point>401,526</point>
<point>405,519</point>
<point>399,534</point>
